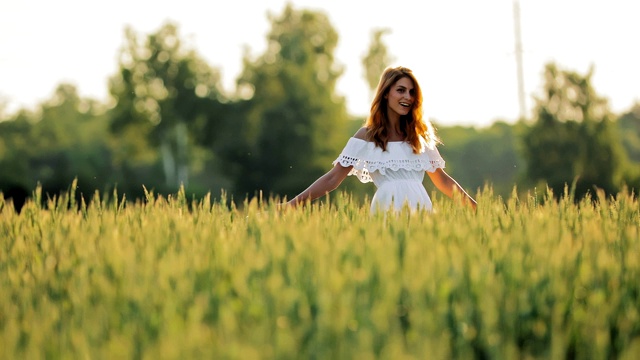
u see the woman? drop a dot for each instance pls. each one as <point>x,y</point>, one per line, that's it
<point>394,149</point>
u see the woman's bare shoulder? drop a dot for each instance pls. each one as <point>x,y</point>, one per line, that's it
<point>361,133</point>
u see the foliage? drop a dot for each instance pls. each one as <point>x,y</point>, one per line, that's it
<point>171,278</point>
<point>629,132</point>
<point>295,123</point>
<point>573,138</point>
<point>377,58</point>
<point>168,102</point>
<point>63,140</point>
<point>477,157</point>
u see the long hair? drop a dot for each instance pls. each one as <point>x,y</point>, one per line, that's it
<point>418,132</point>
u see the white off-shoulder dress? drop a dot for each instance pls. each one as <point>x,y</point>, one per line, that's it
<point>396,172</point>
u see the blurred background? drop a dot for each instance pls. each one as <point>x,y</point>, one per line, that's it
<point>251,97</point>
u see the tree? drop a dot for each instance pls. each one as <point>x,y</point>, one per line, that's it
<point>15,149</point>
<point>60,141</point>
<point>167,98</point>
<point>479,156</point>
<point>376,59</point>
<point>572,138</point>
<point>629,133</point>
<point>295,123</point>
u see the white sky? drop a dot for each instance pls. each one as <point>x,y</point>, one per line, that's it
<point>460,50</point>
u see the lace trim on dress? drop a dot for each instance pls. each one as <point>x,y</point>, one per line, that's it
<point>362,168</point>
<point>366,158</point>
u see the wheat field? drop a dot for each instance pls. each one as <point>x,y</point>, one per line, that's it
<point>170,277</point>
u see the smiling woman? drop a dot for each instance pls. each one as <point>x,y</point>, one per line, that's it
<point>393,150</point>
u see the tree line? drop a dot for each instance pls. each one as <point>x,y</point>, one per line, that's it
<point>169,123</point>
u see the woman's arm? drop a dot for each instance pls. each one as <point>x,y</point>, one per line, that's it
<point>449,186</point>
<point>325,184</point>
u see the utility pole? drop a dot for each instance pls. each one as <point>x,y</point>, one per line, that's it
<point>518,51</point>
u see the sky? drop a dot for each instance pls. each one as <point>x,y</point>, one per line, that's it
<point>461,51</point>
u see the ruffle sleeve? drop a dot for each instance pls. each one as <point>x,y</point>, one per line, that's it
<point>366,157</point>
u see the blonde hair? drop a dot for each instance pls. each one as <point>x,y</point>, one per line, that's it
<point>418,132</point>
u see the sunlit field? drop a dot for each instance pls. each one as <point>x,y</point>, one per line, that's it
<point>173,277</point>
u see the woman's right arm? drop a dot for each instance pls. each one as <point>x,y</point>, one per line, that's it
<point>327,182</point>
<point>324,185</point>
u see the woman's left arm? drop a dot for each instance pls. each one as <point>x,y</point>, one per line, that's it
<point>445,183</point>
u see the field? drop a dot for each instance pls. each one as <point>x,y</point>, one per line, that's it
<point>172,277</point>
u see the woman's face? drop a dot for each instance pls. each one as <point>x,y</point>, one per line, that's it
<point>401,96</point>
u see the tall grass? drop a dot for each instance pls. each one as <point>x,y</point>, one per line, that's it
<point>169,277</point>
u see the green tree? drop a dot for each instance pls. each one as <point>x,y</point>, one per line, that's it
<point>376,59</point>
<point>629,133</point>
<point>62,140</point>
<point>15,148</point>
<point>483,156</point>
<point>167,99</point>
<point>295,123</point>
<point>572,138</point>
<point>3,109</point>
